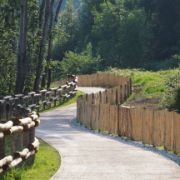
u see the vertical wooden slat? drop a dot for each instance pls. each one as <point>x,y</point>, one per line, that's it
<point>99,112</point>
<point>96,117</point>
<point>158,128</point>
<point>113,119</point>
<point>124,122</point>
<point>129,122</point>
<point>147,124</point>
<point>106,117</point>
<point>93,116</point>
<point>176,118</point>
<point>88,109</point>
<point>101,117</point>
<point>136,124</point>
<point>169,130</point>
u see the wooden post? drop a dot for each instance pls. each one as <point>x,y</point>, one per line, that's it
<point>2,146</point>
<point>2,111</point>
<point>8,107</point>
<point>17,142</point>
<point>31,140</point>
<point>26,138</point>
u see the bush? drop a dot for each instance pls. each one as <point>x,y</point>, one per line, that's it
<point>157,65</point>
<point>82,63</point>
<point>171,99</point>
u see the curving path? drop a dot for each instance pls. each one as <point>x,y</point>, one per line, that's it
<point>87,155</point>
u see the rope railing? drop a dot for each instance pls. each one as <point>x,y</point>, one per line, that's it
<point>20,105</point>
<point>18,136</point>
<point>19,116</point>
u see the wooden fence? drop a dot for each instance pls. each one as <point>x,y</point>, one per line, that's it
<point>103,80</point>
<point>18,121</point>
<point>104,111</point>
<point>17,141</point>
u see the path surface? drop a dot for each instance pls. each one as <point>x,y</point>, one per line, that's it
<point>87,155</point>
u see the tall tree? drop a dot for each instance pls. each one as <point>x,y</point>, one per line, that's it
<point>53,21</point>
<point>50,18</point>
<point>163,20</point>
<point>41,54</point>
<point>66,35</point>
<point>22,60</point>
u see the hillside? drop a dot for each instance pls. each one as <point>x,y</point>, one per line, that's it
<point>149,87</point>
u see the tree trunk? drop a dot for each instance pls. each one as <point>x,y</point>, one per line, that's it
<point>41,13</point>
<point>39,66</point>
<point>58,10</point>
<point>48,69</point>
<point>52,21</point>
<point>21,59</point>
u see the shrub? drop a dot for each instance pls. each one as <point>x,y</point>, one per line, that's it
<point>82,63</point>
<point>171,99</point>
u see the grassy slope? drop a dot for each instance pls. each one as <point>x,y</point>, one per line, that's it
<point>147,85</point>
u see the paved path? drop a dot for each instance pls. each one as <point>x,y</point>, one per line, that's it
<point>87,155</point>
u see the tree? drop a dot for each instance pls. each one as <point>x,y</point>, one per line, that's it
<point>53,21</point>
<point>39,67</point>
<point>50,19</point>
<point>9,11</point>
<point>22,60</point>
<point>66,32</point>
<point>163,19</point>
<point>83,63</point>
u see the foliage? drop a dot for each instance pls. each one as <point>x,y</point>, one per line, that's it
<point>121,44</point>
<point>68,102</point>
<point>46,164</point>
<point>152,85</point>
<point>9,43</point>
<point>65,31</point>
<point>90,36</point>
<point>74,63</point>
<point>128,34</point>
<point>8,35</point>
<point>171,98</point>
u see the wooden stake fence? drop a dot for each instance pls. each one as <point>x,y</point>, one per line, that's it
<point>103,111</point>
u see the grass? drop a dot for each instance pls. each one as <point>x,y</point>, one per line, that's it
<point>68,102</point>
<point>72,100</point>
<point>46,163</point>
<point>146,84</point>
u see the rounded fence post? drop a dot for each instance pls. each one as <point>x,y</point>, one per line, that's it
<point>2,146</point>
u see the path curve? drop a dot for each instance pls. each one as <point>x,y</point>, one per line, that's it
<point>87,155</point>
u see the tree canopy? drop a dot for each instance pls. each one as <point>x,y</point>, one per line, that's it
<point>43,40</point>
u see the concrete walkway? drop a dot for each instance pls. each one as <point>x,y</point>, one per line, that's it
<point>87,155</point>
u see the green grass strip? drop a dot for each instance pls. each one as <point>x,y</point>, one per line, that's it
<point>47,162</point>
